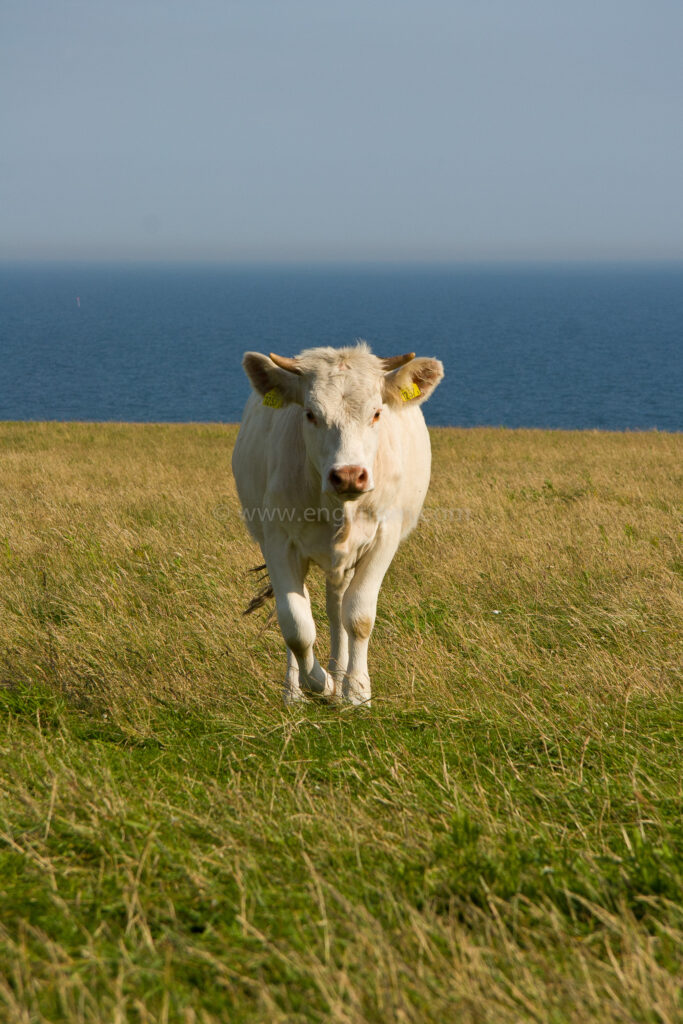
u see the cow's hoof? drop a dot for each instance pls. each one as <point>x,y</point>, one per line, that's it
<point>326,696</point>
<point>356,691</point>
<point>319,685</point>
<point>290,697</point>
<point>357,700</point>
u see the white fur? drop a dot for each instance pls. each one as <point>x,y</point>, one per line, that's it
<point>281,464</point>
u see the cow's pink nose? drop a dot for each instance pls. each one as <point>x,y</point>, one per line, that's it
<point>349,479</point>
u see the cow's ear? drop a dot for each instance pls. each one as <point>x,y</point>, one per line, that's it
<point>413,383</point>
<point>266,377</point>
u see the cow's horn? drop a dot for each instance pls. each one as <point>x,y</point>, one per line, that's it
<point>285,363</point>
<point>394,362</point>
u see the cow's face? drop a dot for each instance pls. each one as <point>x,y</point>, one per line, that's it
<point>342,412</point>
<point>344,393</point>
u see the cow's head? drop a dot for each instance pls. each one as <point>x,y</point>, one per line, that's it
<point>343,394</point>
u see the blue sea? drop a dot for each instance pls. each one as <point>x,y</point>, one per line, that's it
<point>533,346</point>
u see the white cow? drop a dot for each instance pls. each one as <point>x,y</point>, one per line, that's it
<point>332,465</point>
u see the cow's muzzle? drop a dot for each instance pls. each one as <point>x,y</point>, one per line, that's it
<point>349,480</point>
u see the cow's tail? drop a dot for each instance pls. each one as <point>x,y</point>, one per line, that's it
<point>264,594</point>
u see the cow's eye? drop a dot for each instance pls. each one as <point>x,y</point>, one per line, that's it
<point>376,416</point>
<point>311,418</point>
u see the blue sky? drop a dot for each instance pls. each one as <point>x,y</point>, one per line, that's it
<point>369,129</point>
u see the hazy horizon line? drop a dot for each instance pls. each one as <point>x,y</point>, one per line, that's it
<point>345,263</point>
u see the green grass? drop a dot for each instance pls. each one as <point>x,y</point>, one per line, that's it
<point>500,839</point>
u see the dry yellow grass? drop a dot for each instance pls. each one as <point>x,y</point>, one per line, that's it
<point>498,840</point>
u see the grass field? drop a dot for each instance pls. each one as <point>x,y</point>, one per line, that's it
<point>499,839</point>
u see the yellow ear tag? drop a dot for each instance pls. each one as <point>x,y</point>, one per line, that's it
<point>273,398</point>
<point>412,392</point>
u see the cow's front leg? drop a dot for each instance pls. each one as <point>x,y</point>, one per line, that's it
<point>339,638</point>
<point>359,608</point>
<point>287,570</point>
<point>292,692</point>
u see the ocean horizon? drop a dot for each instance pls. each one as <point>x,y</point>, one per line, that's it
<point>553,345</point>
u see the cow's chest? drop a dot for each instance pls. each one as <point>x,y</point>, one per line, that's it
<point>338,548</point>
